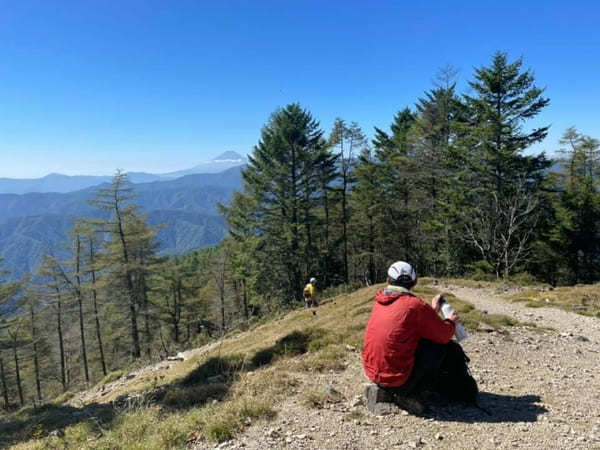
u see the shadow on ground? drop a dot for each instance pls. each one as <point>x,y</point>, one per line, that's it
<point>213,379</point>
<point>31,423</point>
<point>495,408</point>
<point>210,381</point>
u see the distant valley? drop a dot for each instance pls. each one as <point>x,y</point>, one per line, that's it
<point>35,223</point>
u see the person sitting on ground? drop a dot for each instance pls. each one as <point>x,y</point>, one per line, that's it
<point>405,340</point>
<point>309,294</point>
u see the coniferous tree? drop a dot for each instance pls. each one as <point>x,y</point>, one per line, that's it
<point>50,271</point>
<point>128,251</point>
<point>395,194</point>
<point>91,247</point>
<point>368,233</point>
<point>440,114</point>
<point>348,141</point>
<point>280,177</point>
<point>575,234</point>
<point>502,199</point>
<point>10,302</point>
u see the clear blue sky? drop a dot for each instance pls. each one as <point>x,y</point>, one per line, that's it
<point>89,86</point>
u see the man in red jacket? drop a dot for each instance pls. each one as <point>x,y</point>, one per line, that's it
<point>405,339</point>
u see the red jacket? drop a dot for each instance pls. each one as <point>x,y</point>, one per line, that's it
<point>398,320</point>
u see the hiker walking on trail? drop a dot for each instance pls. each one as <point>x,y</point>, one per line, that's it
<point>406,341</point>
<point>309,294</point>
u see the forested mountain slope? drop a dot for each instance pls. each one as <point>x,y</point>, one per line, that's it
<point>31,224</point>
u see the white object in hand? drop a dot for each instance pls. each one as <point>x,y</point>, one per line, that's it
<point>459,330</point>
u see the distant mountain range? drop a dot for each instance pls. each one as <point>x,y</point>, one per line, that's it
<point>56,182</point>
<point>36,223</point>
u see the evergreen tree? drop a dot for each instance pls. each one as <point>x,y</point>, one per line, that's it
<point>129,251</point>
<point>11,302</point>
<point>281,178</point>
<point>348,141</point>
<point>395,194</point>
<point>575,236</point>
<point>440,120</point>
<point>501,203</point>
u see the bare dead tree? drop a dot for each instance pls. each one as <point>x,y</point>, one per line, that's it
<point>501,228</point>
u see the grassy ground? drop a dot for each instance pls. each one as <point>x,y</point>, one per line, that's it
<point>582,299</point>
<point>217,394</point>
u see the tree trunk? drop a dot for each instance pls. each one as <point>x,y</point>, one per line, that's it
<point>95,305</point>
<point>135,339</point>
<point>61,343</point>
<point>371,251</point>
<point>344,227</point>
<point>3,383</point>
<point>222,297</point>
<point>18,372</point>
<point>245,300</point>
<point>148,333</point>
<point>80,304</point>
<point>177,318</point>
<point>36,363</point>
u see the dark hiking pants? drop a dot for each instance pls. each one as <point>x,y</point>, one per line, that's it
<point>429,359</point>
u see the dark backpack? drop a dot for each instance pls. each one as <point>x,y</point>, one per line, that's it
<point>455,380</point>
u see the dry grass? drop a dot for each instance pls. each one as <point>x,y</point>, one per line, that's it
<point>216,394</point>
<point>582,299</point>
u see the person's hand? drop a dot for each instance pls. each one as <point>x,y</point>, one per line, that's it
<point>453,316</point>
<point>436,303</point>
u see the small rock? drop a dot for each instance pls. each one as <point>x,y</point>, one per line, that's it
<point>357,401</point>
<point>57,433</point>
<point>272,433</point>
<point>485,327</point>
<point>333,393</point>
<point>439,436</point>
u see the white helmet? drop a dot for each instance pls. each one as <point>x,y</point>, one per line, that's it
<point>313,280</point>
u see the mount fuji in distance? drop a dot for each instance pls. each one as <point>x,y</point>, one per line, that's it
<point>59,183</point>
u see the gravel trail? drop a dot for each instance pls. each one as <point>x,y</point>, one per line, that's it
<point>541,387</point>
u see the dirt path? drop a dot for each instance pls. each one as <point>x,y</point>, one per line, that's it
<point>562,321</point>
<point>541,386</point>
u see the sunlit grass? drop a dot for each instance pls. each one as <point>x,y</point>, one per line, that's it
<point>581,299</point>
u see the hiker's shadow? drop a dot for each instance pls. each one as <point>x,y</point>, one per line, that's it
<point>494,408</point>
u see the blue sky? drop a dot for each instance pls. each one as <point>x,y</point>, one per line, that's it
<point>89,86</point>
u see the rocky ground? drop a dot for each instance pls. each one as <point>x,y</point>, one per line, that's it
<point>540,385</point>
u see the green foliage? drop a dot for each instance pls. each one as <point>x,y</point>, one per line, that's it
<point>482,270</point>
<point>574,236</point>
<point>284,181</point>
<point>501,196</point>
